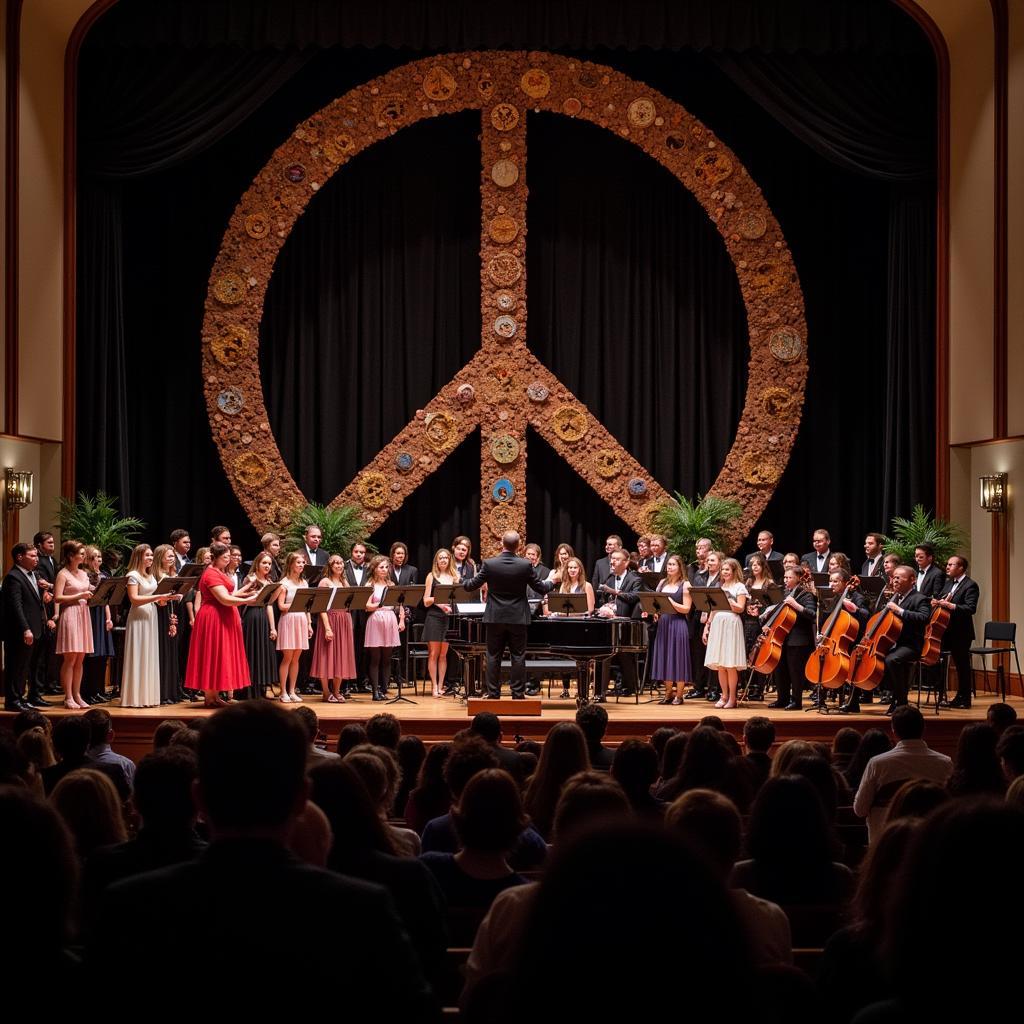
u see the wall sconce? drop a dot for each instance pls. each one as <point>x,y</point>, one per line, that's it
<point>993,492</point>
<point>17,488</point>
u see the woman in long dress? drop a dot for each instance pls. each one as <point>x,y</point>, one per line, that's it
<point>140,678</point>
<point>334,654</point>
<point>757,583</point>
<point>71,591</point>
<point>294,629</point>
<point>383,627</point>
<point>670,654</point>
<point>435,624</point>
<point>164,564</point>
<point>259,632</point>
<point>217,657</point>
<point>727,649</point>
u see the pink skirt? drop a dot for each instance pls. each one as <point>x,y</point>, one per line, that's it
<point>74,630</point>
<point>382,629</point>
<point>334,659</point>
<point>293,632</point>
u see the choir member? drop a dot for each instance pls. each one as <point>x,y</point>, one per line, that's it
<point>293,629</point>
<point>435,625</point>
<point>334,659</point>
<point>74,625</point>
<point>727,651</point>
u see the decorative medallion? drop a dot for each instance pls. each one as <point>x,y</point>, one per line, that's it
<point>504,269</point>
<point>295,173</point>
<point>637,487</point>
<point>570,423</point>
<point>607,463</point>
<point>439,84</point>
<point>485,86</point>
<point>502,519</point>
<point>251,470</point>
<point>536,83</point>
<point>588,79</point>
<point>504,117</point>
<point>750,224</point>
<point>230,401</point>
<point>229,346</point>
<point>504,228</point>
<point>771,277</point>
<point>785,344</point>
<point>390,109</point>
<point>229,289</point>
<point>675,142</point>
<point>404,462</point>
<point>504,448</point>
<point>505,173</point>
<point>257,225</point>
<point>537,392</point>
<point>505,301</point>
<point>712,167</point>
<point>441,430</point>
<point>503,490</point>
<point>307,133</point>
<point>760,470</point>
<point>337,147</point>
<point>505,327</point>
<point>466,393</point>
<point>650,510</point>
<point>778,402</point>
<point>571,106</point>
<point>373,490</point>
<point>641,112</point>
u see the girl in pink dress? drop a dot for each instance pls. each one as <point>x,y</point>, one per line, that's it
<point>71,591</point>
<point>382,627</point>
<point>334,656</point>
<point>293,628</point>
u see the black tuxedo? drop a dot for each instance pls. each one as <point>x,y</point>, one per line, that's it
<point>602,568</point>
<point>406,576</point>
<point>772,556</point>
<point>507,615</point>
<point>865,569</point>
<point>179,561</point>
<point>916,611</point>
<point>248,894</point>
<point>21,611</point>
<point>959,633</point>
<point>318,557</point>
<point>789,676</point>
<point>650,563</point>
<point>811,560</point>
<point>627,605</point>
<point>933,583</point>
<point>47,670</point>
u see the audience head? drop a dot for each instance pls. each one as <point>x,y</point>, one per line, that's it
<point>787,753</point>
<point>488,816</point>
<point>976,767</point>
<point>1010,751</point>
<point>71,738</point>
<point>593,721</point>
<point>635,768</point>
<point>252,768</point>
<point>389,763</point>
<point>672,756</point>
<point>101,726</point>
<point>309,721</point>
<point>818,772</point>
<point>164,733</point>
<point>31,718</point>
<point>432,769</point>
<point>467,757</point>
<point>758,734</point>
<point>162,793</point>
<point>1000,716</point>
<point>384,730</point>
<point>589,800</point>
<point>36,748</point>
<point>529,747</point>
<point>661,736</point>
<point>710,823</point>
<point>705,764</point>
<point>712,722</point>
<point>1015,793</point>
<point>907,723</point>
<point>88,802</point>
<point>188,735</point>
<point>845,743</point>
<point>351,736</point>
<point>916,798</point>
<point>310,837</point>
<point>872,743</point>
<point>788,829</point>
<point>487,726</point>
<point>338,789</point>
<point>879,872</point>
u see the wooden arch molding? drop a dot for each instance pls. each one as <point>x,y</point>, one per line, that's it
<point>504,388</point>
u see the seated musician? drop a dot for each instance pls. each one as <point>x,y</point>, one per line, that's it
<point>855,604</point>
<point>789,676</point>
<point>573,582</point>
<point>620,592</point>
<point>914,610</point>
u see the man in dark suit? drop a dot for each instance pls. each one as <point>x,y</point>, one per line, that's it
<point>766,546</point>
<point>247,890</point>
<point>535,556</point>
<point>620,593</point>
<point>357,575</point>
<point>817,560</point>
<point>603,566</point>
<point>874,553</point>
<point>960,598</point>
<point>507,613</point>
<point>914,609</point>
<point>312,539</point>
<point>45,680</point>
<point>789,676</point>
<point>930,579</point>
<point>404,575</point>
<point>23,623</point>
<point>182,544</point>
<point>655,561</point>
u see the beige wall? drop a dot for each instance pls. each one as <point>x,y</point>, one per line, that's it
<point>40,460</point>
<point>1015,175</point>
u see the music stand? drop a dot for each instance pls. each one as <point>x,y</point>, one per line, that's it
<point>192,569</point>
<point>407,597</point>
<point>110,591</point>
<point>651,579</point>
<point>312,574</point>
<point>443,592</point>
<point>821,579</point>
<point>349,599</point>
<point>656,602</point>
<point>266,595</point>
<point>777,569</point>
<point>311,600</point>
<point>567,604</point>
<point>179,586</point>
<point>710,599</point>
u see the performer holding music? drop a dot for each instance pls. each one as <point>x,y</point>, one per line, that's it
<point>383,627</point>
<point>334,658</point>
<point>435,624</point>
<point>727,650</point>
<point>294,629</point>
<point>670,654</point>
<point>259,633</point>
<point>71,592</point>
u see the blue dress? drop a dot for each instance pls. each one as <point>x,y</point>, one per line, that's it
<point>670,654</point>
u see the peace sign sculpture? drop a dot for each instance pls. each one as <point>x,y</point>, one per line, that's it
<point>504,388</point>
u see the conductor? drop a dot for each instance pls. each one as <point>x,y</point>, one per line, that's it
<point>507,612</point>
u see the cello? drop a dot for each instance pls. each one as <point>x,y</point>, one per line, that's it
<point>828,664</point>
<point>867,662</point>
<point>767,651</point>
<point>933,632</point>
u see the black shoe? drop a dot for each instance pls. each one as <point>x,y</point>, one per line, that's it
<point>850,709</point>
<point>793,706</point>
<point>959,704</point>
<point>35,701</point>
<point>53,690</point>
<point>696,694</point>
<point>518,696</point>
<point>15,705</point>
<point>103,697</point>
<point>890,709</point>
<point>97,699</point>
<point>776,705</point>
<point>601,699</point>
<point>564,695</point>
<point>867,700</point>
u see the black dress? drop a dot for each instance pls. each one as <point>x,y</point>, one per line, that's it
<point>170,671</point>
<point>435,623</point>
<point>260,650</point>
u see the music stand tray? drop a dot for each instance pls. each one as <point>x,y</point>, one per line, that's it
<point>567,604</point>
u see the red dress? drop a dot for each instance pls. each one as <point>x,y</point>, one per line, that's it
<point>216,657</point>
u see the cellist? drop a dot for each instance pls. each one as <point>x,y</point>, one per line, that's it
<point>914,610</point>
<point>855,604</point>
<point>789,676</point>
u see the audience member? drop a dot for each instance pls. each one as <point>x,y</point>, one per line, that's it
<point>431,797</point>
<point>487,726</point>
<point>787,753</point>
<point>709,764</point>
<point>712,722</point>
<point>1000,716</point>
<point>819,773</point>
<point>1010,751</point>
<point>100,751</point>
<point>844,747</point>
<point>668,766</point>
<point>564,754</point>
<point>247,892</point>
<point>635,769</point>
<point>311,725</point>
<point>350,737</point>
<point>976,769</point>
<point>593,720</point>
<point>411,754</point>
<point>87,800</point>
<point>378,769</point>
<point>310,837</point>
<point>36,747</point>
<point>164,733</point>
<point>660,737</point>
<point>1015,792</point>
<point>917,799</point>
<point>911,758</point>
<point>872,743</point>
<point>384,730</point>
<point>31,718</point>
<point>758,738</point>
<point>70,742</point>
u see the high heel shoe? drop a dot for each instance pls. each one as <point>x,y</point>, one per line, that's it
<point>719,703</point>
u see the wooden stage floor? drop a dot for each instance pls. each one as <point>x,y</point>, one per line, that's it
<point>440,719</point>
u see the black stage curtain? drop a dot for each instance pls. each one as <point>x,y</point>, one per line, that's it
<point>374,302</point>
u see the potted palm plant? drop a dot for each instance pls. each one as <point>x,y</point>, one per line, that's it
<point>94,519</point>
<point>923,528</point>
<point>684,522</point>
<point>341,527</point>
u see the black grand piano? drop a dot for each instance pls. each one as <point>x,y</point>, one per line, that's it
<point>584,640</point>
